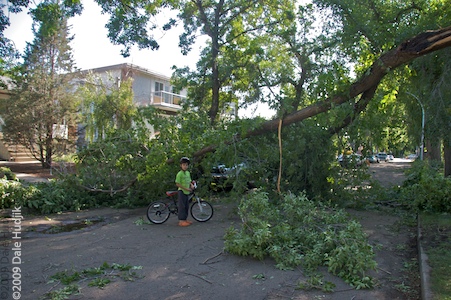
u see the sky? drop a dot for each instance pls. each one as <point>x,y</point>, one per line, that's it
<point>92,48</point>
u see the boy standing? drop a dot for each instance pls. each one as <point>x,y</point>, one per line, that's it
<point>183,182</point>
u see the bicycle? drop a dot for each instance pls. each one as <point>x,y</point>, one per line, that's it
<point>158,212</point>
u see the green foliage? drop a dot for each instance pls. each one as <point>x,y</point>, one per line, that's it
<point>307,154</point>
<point>135,160</point>
<point>297,231</point>
<point>119,158</point>
<point>64,293</point>
<point>106,106</point>
<point>7,174</point>
<point>113,162</point>
<point>353,187</point>
<point>58,196</point>
<point>425,189</point>
<point>430,85</point>
<point>317,282</point>
<point>99,282</point>
<point>64,194</point>
<point>12,192</point>
<point>97,277</point>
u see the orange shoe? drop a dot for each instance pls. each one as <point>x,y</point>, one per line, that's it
<point>184,223</point>
<point>190,222</point>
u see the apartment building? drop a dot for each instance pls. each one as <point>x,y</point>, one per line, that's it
<point>149,88</point>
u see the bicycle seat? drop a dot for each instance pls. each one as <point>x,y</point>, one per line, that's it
<point>171,193</point>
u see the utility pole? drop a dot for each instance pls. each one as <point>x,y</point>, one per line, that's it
<point>422,125</point>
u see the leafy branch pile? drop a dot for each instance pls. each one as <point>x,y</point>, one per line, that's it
<point>56,196</point>
<point>299,232</point>
<point>99,277</point>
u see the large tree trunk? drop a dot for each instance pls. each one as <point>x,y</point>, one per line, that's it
<point>213,32</point>
<point>420,45</point>
<point>433,150</point>
<point>447,150</point>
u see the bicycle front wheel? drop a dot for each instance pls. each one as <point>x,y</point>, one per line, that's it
<point>201,211</point>
<point>158,212</point>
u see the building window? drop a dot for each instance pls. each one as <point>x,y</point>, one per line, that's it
<point>163,91</point>
<point>159,87</point>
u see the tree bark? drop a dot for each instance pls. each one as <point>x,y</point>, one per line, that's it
<point>447,151</point>
<point>212,31</point>
<point>433,150</point>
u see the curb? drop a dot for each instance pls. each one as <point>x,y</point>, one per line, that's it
<point>425,269</point>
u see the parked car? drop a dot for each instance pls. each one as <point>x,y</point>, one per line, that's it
<point>350,160</point>
<point>389,157</point>
<point>382,156</point>
<point>372,159</point>
<point>412,156</point>
<point>222,177</point>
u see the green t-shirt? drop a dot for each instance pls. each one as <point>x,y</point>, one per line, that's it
<point>183,178</point>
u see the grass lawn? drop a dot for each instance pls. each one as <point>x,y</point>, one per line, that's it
<point>437,244</point>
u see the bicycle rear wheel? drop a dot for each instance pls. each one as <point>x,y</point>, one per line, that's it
<point>158,212</point>
<point>201,211</point>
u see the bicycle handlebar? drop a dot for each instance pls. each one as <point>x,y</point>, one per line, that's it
<point>194,183</point>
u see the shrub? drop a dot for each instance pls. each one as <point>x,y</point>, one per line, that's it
<point>426,189</point>
<point>298,231</point>
<point>7,173</point>
<point>430,194</point>
<point>12,193</point>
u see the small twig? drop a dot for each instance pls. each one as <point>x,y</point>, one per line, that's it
<point>53,286</point>
<point>85,279</point>
<point>389,273</point>
<point>50,265</point>
<point>96,241</point>
<point>200,277</point>
<point>214,256</point>
<point>344,290</point>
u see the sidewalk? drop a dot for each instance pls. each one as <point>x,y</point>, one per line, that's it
<point>30,178</point>
<point>28,171</point>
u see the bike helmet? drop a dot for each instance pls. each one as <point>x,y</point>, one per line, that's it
<point>184,160</point>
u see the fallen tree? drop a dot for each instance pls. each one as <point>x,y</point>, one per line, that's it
<point>418,46</point>
<point>364,88</point>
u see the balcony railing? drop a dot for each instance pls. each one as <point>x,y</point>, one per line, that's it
<point>167,99</point>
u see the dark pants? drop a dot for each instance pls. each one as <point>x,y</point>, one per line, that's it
<point>183,206</point>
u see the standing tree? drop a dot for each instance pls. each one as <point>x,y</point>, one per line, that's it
<point>40,113</point>
<point>226,24</point>
<point>430,84</point>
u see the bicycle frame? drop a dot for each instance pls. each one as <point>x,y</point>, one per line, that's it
<point>173,195</point>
